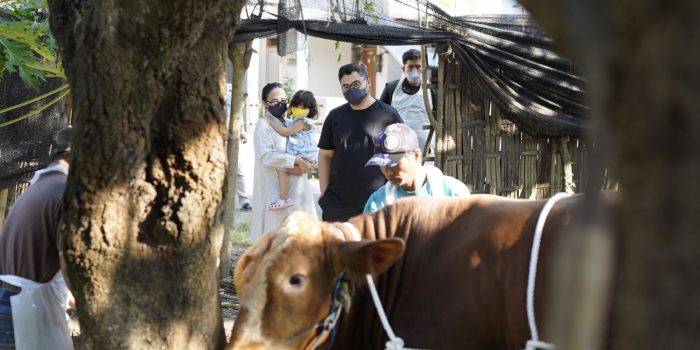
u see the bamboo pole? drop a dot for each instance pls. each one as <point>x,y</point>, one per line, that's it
<point>3,205</point>
<point>567,166</point>
<point>240,55</point>
<point>436,121</point>
<point>426,99</point>
<point>553,188</point>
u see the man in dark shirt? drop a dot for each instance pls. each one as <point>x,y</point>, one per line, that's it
<point>30,244</point>
<point>347,143</point>
<point>406,95</point>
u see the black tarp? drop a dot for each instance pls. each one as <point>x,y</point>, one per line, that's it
<point>25,146</point>
<point>513,61</point>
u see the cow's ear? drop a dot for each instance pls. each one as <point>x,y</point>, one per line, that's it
<point>362,257</point>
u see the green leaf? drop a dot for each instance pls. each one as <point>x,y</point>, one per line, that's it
<point>18,57</point>
<point>27,45</point>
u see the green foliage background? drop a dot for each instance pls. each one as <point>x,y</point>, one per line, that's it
<point>26,43</point>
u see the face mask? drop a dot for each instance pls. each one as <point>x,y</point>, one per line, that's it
<point>277,110</point>
<point>299,112</point>
<point>355,95</point>
<point>414,76</point>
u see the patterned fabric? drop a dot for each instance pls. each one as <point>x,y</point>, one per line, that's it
<point>7,334</point>
<point>303,143</point>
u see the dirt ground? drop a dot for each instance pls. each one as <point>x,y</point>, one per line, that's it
<point>227,291</point>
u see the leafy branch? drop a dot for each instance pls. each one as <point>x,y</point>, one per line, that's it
<point>27,46</point>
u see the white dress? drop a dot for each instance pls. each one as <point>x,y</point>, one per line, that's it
<point>270,155</point>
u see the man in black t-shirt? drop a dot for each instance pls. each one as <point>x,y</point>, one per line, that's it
<point>347,143</point>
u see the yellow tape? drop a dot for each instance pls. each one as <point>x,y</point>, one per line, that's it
<point>34,99</point>
<point>35,111</point>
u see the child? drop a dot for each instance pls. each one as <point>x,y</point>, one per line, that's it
<point>301,139</point>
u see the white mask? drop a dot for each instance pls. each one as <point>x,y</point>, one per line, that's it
<point>414,76</point>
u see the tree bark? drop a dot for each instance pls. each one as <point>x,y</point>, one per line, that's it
<point>143,198</point>
<point>240,55</point>
<point>644,84</point>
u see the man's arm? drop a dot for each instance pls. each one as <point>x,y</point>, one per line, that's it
<point>325,157</point>
<point>388,92</point>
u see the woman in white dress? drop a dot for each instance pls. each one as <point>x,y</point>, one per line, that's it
<point>270,155</point>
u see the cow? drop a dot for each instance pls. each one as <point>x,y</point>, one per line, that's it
<point>450,273</point>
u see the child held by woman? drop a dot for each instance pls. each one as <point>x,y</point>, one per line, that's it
<point>301,133</point>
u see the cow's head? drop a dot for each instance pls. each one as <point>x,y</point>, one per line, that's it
<point>285,280</point>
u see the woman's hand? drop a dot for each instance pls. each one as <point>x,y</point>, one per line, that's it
<point>301,166</point>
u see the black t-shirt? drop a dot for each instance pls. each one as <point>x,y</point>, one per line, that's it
<point>351,134</point>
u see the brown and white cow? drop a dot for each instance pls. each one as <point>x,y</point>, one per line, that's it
<point>459,284</point>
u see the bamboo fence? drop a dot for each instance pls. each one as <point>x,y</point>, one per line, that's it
<point>476,144</point>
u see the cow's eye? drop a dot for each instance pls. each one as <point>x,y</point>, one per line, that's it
<point>297,280</point>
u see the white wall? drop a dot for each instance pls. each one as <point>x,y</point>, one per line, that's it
<point>253,87</point>
<point>381,78</point>
<point>481,7</point>
<point>319,74</point>
<point>391,69</point>
<point>324,64</point>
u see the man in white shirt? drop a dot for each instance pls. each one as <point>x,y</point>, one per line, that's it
<point>406,96</point>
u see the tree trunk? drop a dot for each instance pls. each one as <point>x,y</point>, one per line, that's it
<point>644,82</point>
<point>143,197</point>
<point>240,55</point>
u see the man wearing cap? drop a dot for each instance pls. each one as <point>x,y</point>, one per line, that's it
<point>31,263</point>
<point>398,155</point>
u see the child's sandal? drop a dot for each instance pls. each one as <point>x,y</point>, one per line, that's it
<point>280,204</point>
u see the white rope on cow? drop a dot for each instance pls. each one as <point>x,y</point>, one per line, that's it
<point>535,342</point>
<point>394,343</point>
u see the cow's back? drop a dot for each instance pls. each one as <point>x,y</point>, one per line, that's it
<point>462,279</point>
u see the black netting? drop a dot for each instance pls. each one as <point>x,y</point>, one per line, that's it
<point>25,146</point>
<point>288,41</point>
<point>536,88</point>
<point>513,61</point>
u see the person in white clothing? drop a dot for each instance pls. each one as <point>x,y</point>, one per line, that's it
<point>32,268</point>
<point>406,96</point>
<point>270,155</point>
<point>301,139</point>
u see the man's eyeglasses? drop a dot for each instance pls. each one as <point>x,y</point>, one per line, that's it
<point>355,84</point>
<point>274,102</point>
